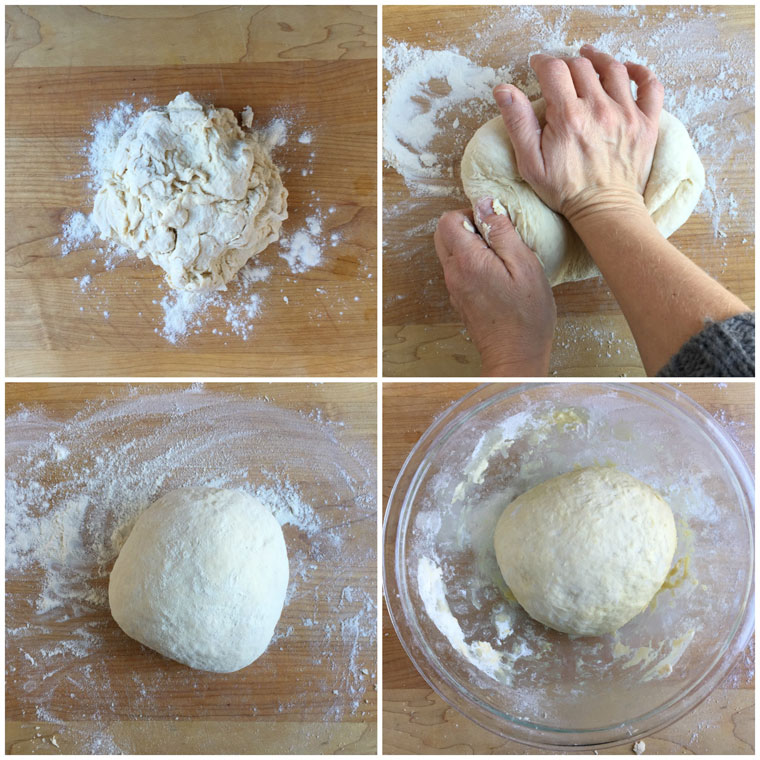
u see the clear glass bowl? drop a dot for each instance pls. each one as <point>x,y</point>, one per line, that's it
<point>480,651</point>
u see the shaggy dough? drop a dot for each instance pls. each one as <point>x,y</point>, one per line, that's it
<point>489,170</point>
<point>202,578</point>
<point>586,551</point>
<point>192,191</point>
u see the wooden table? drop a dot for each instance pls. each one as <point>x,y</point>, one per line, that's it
<point>66,65</point>
<point>417,721</point>
<point>280,704</point>
<point>423,335</point>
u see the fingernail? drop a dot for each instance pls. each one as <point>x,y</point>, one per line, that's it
<point>484,207</point>
<point>503,97</point>
<point>588,47</point>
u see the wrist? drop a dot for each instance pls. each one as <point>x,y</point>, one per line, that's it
<point>515,363</point>
<point>595,206</point>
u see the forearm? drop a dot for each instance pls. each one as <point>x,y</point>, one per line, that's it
<point>664,296</point>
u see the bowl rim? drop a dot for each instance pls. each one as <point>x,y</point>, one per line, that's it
<point>527,732</point>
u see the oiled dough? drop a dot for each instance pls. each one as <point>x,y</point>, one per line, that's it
<point>489,169</point>
<point>586,551</point>
<point>202,578</point>
<point>192,191</point>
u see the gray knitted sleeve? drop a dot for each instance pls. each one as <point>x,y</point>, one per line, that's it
<point>722,349</point>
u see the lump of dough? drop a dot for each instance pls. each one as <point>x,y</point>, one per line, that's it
<point>586,551</point>
<point>202,578</point>
<point>192,191</point>
<point>489,170</point>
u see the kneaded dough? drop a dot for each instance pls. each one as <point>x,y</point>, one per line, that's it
<point>192,191</point>
<point>586,551</point>
<point>202,578</point>
<point>489,170</point>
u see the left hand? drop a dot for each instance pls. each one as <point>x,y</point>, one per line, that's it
<point>500,290</point>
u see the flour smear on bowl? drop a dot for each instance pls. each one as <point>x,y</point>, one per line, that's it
<point>178,315</point>
<point>472,624</point>
<point>73,490</point>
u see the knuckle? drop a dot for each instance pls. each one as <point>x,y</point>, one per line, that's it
<point>616,67</point>
<point>573,119</point>
<point>580,64</point>
<point>555,66</point>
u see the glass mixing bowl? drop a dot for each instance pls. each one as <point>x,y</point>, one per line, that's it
<point>476,646</point>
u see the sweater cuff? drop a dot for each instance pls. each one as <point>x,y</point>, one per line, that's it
<point>722,349</point>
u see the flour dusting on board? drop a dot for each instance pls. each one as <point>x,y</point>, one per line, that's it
<point>436,97</point>
<point>73,491</point>
<point>179,315</point>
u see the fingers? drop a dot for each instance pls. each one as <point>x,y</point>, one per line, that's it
<point>554,77</point>
<point>456,231</point>
<point>455,235</point>
<point>613,75</point>
<point>585,78</point>
<point>522,127</point>
<point>502,238</point>
<point>650,93</point>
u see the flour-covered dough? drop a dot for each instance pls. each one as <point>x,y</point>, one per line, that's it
<point>192,191</point>
<point>489,170</point>
<point>586,551</point>
<point>202,578</point>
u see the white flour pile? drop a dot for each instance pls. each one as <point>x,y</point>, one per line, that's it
<point>73,490</point>
<point>181,314</point>
<point>437,95</point>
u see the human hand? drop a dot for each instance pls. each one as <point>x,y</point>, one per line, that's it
<point>595,151</point>
<point>500,290</point>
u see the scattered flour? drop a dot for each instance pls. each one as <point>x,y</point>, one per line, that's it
<point>78,230</point>
<point>303,249</point>
<point>425,87</point>
<point>74,488</point>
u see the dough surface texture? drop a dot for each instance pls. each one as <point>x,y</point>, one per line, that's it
<point>202,578</point>
<point>489,170</point>
<point>193,192</point>
<point>586,551</point>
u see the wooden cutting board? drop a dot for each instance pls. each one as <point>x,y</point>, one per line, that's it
<point>423,335</point>
<point>314,65</point>
<point>280,704</point>
<point>417,721</point>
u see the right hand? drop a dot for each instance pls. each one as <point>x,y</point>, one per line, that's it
<point>595,151</point>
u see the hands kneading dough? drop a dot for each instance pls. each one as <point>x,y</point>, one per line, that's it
<point>192,191</point>
<point>202,578</point>
<point>489,170</point>
<point>586,551</point>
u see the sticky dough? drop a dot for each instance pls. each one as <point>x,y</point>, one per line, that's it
<point>190,190</point>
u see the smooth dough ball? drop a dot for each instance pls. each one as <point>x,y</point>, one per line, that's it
<point>192,191</point>
<point>586,551</point>
<point>202,578</point>
<point>489,170</point>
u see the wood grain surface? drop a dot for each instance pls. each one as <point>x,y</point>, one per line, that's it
<point>422,334</point>
<point>417,721</point>
<point>314,66</point>
<point>280,704</point>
